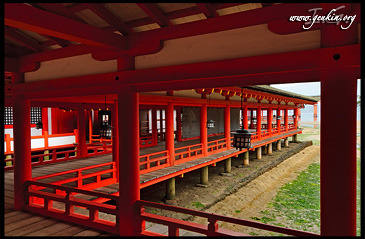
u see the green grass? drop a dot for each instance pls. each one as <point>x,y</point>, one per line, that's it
<point>297,203</point>
<point>197,204</point>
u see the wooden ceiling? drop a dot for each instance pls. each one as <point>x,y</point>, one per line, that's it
<point>124,19</point>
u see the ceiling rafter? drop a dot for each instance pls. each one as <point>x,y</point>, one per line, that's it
<point>155,13</point>
<point>207,9</point>
<point>29,18</point>
<point>22,39</point>
<point>58,41</point>
<point>110,18</point>
<point>61,10</point>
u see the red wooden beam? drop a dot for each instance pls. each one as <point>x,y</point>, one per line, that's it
<point>207,9</point>
<point>11,64</point>
<point>109,17</point>
<point>301,66</point>
<point>22,39</point>
<point>33,19</point>
<point>59,9</point>
<point>155,13</point>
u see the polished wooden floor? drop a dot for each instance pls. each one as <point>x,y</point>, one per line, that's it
<point>19,223</point>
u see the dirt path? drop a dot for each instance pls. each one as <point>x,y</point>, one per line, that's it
<point>252,198</point>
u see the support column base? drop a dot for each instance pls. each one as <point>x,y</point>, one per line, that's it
<point>226,174</point>
<point>201,185</point>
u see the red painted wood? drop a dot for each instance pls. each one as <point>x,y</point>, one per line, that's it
<point>286,119</point>
<point>128,159</point>
<point>22,16</point>
<point>115,135</point>
<point>169,124</point>
<point>178,124</point>
<point>245,118</point>
<point>81,126</point>
<point>22,149</point>
<point>227,126</point>
<point>258,124</point>
<point>338,142</point>
<point>155,13</point>
<point>203,129</point>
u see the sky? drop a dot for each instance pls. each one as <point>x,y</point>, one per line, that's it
<point>308,89</point>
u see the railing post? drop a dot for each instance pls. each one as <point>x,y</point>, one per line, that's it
<point>8,143</point>
<point>173,231</point>
<point>227,125</point>
<point>212,226</point>
<point>45,135</point>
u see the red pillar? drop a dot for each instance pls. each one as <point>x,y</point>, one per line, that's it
<point>203,129</point>
<point>81,125</point>
<point>169,126</point>
<point>296,118</point>
<point>22,148</point>
<point>128,161</point>
<point>227,125</point>
<point>45,119</point>
<point>115,137</point>
<point>154,126</point>
<point>278,121</point>
<point>315,113</point>
<point>338,140</point>
<point>161,126</point>
<point>269,120</point>
<point>90,125</point>
<point>258,123</point>
<point>286,119</point>
<point>178,124</point>
<point>245,119</point>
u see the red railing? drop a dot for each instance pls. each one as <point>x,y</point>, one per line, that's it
<point>265,134</point>
<point>50,155</point>
<point>212,229</point>
<point>68,205</point>
<point>154,161</point>
<point>104,147</point>
<point>217,146</point>
<point>87,178</point>
<point>188,153</point>
<point>146,141</point>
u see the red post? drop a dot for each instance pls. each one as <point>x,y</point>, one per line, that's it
<point>315,112</point>
<point>22,149</point>
<point>76,132</point>
<point>258,123</point>
<point>203,129</point>
<point>154,126</point>
<point>45,119</point>
<point>90,126</point>
<point>245,119</point>
<point>296,118</point>
<point>7,143</point>
<point>129,224</point>
<point>169,126</point>
<point>45,135</point>
<point>269,121</point>
<point>81,125</point>
<point>338,140</point>
<point>178,124</point>
<point>286,119</point>
<point>161,126</point>
<point>115,138</point>
<point>227,125</point>
<point>278,121</point>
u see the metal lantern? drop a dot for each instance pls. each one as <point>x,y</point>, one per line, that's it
<point>294,116</point>
<point>39,125</point>
<point>242,139</point>
<point>210,124</point>
<point>106,131</point>
<point>278,117</point>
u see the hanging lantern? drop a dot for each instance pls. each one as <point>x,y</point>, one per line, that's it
<point>210,124</point>
<point>278,117</point>
<point>106,131</point>
<point>242,137</point>
<point>39,125</point>
<point>294,116</point>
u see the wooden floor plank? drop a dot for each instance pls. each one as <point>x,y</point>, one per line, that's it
<point>69,231</point>
<point>89,233</point>
<point>17,217</point>
<point>47,231</point>
<point>24,222</point>
<point>34,227</point>
<point>12,213</point>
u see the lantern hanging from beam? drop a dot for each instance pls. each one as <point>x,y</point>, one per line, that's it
<point>105,128</point>
<point>242,137</point>
<point>210,122</point>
